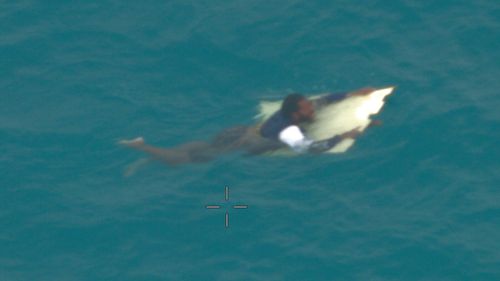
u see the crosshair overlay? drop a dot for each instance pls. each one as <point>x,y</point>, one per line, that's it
<point>226,198</point>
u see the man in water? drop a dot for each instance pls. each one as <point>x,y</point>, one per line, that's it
<point>280,130</point>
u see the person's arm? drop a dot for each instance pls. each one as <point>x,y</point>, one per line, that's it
<point>330,98</point>
<point>335,97</point>
<point>294,138</point>
<point>324,145</point>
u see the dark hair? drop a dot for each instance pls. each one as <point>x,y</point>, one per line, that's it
<point>291,105</point>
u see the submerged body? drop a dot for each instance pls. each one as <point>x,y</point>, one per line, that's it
<point>284,129</point>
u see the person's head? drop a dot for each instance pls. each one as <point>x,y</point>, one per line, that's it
<point>297,108</point>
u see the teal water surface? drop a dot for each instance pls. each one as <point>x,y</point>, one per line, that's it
<point>415,199</point>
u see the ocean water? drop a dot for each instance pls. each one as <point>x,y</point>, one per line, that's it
<point>415,199</point>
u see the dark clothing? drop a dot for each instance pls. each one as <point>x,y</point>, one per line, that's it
<point>277,122</point>
<point>274,125</point>
<point>230,137</point>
